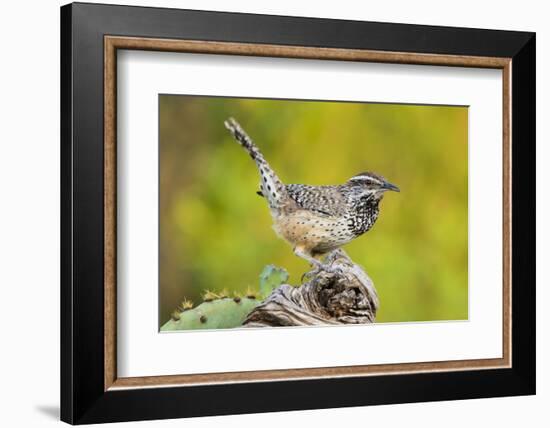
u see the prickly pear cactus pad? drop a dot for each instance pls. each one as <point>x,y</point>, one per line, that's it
<point>270,278</point>
<point>215,314</point>
<point>219,310</point>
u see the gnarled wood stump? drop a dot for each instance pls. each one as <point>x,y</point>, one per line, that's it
<point>345,297</point>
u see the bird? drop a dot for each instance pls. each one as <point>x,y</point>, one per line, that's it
<point>316,220</point>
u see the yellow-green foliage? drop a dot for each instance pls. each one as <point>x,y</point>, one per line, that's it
<point>216,232</point>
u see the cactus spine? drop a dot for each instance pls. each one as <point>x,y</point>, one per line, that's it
<point>218,310</point>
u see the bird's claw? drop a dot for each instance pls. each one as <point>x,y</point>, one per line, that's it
<point>323,267</point>
<point>335,270</point>
<point>313,272</point>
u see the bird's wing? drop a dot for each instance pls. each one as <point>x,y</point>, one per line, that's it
<point>326,200</point>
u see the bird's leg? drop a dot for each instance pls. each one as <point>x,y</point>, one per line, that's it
<point>300,252</point>
<point>318,265</point>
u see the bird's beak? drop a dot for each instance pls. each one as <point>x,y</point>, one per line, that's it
<point>388,186</point>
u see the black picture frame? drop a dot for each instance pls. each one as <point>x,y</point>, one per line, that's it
<point>83,397</point>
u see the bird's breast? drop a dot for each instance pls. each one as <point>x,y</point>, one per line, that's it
<point>362,218</point>
<point>312,231</point>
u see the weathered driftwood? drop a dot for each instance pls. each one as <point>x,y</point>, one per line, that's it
<point>347,296</point>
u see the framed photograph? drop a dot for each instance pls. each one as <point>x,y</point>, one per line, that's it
<point>266,213</point>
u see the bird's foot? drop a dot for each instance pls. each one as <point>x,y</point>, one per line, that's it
<point>323,267</point>
<point>329,268</point>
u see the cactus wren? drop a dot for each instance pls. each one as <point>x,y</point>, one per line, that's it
<point>316,219</point>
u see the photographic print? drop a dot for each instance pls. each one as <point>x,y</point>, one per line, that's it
<point>279,213</point>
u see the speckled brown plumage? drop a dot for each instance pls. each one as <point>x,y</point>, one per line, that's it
<point>316,220</point>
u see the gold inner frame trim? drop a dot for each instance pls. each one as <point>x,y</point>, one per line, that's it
<point>113,43</point>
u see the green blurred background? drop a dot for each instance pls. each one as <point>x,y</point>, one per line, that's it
<point>215,232</point>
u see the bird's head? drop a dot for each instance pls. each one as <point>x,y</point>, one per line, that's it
<point>371,184</point>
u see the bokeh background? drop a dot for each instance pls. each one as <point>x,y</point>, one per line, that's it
<point>215,232</point>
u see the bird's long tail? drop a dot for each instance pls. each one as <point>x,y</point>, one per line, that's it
<point>272,188</point>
